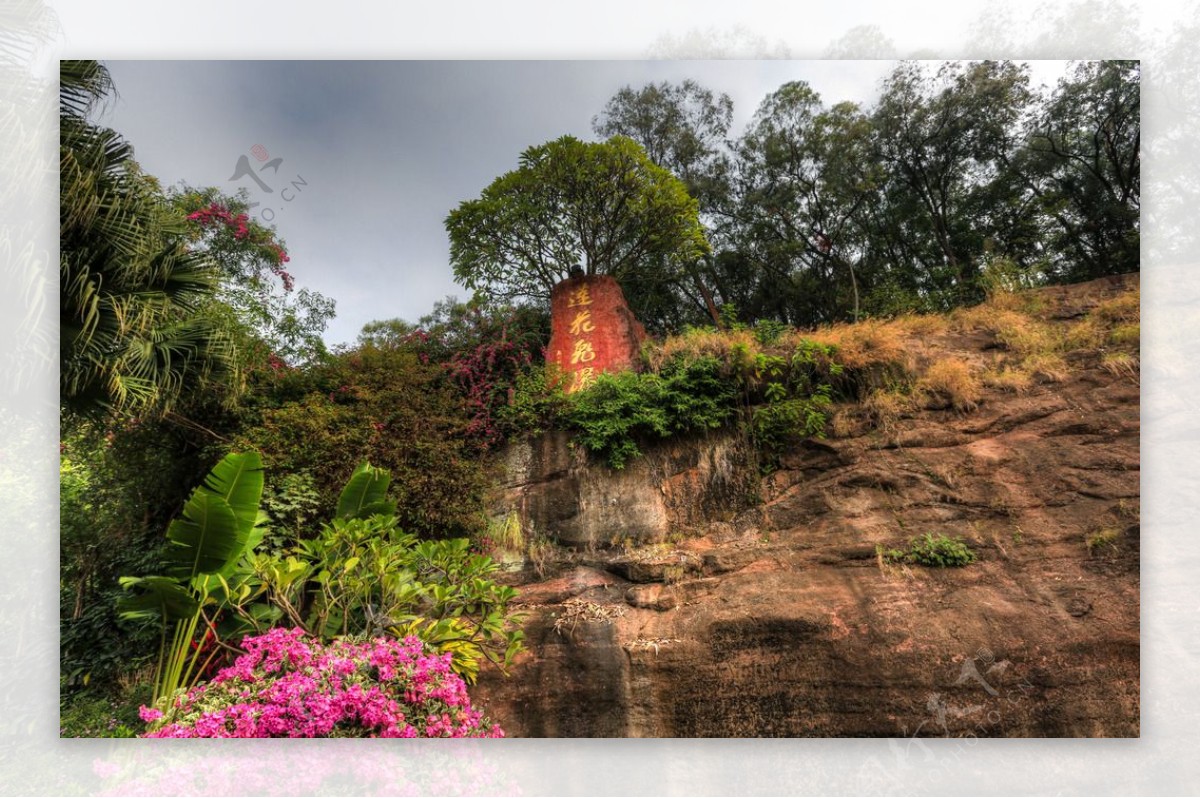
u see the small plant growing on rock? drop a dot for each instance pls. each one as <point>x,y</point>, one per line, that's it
<point>1104,538</point>
<point>931,551</point>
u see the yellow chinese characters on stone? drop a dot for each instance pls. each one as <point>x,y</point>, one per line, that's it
<point>582,379</point>
<point>583,353</point>
<point>582,323</point>
<point>579,297</point>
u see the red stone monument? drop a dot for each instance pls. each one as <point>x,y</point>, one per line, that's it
<point>592,330</point>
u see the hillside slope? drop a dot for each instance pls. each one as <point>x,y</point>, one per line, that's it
<point>789,618</point>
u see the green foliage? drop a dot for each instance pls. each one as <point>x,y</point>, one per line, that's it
<point>105,530</point>
<point>785,421</point>
<point>682,128</point>
<point>934,552</point>
<point>797,393</point>
<point>618,410</point>
<point>945,139</point>
<point>605,207</point>
<point>365,494</point>
<point>1084,158</point>
<point>362,576</point>
<point>395,407</point>
<point>292,506</point>
<point>806,173</point>
<point>256,302</point>
<point>133,339</point>
<point>826,211</point>
<point>94,714</point>
<point>536,403</point>
<point>206,542</point>
<point>768,331</point>
<point>728,317</point>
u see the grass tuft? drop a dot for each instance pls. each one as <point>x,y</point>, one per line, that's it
<point>954,379</point>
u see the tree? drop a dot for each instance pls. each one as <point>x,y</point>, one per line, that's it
<point>132,339</point>
<point>1084,166</point>
<point>682,128</point>
<point>803,181</point>
<point>945,139</point>
<point>256,299</point>
<point>603,207</point>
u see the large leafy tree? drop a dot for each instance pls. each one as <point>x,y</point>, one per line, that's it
<point>132,338</point>
<point>605,208</point>
<point>945,138</point>
<point>683,128</point>
<point>1084,166</point>
<point>804,180</point>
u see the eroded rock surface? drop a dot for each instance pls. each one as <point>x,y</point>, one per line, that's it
<point>782,620</point>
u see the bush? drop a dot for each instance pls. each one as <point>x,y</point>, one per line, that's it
<point>484,349</point>
<point>385,405</point>
<point>95,714</point>
<point>287,685</point>
<point>935,552</point>
<point>778,424</point>
<point>619,410</point>
<point>363,576</point>
<point>106,527</point>
<point>536,403</point>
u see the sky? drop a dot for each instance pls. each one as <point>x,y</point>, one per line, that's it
<point>375,154</point>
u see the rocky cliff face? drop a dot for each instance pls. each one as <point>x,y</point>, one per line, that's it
<point>693,599</point>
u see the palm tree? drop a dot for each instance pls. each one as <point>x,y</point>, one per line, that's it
<point>133,337</point>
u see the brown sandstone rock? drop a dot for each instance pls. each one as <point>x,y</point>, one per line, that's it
<point>789,625</point>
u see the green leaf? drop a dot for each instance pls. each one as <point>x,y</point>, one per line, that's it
<point>205,539</point>
<point>238,479</point>
<point>160,598</point>
<point>218,519</point>
<point>366,493</point>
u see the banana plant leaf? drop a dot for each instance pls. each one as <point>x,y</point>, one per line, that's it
<point>238,479</point>
<point>205,539</point>
<point>218,520</point>
<point>158,598</point>
<point>366,494</point>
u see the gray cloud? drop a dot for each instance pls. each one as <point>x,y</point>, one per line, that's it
<point>387,149</point>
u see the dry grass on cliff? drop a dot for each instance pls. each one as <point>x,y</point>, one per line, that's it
<point>1012,342</point>
<point>737,348</point>
<point>954,379</point>
<point>1126,307</point>
<point>1009,379</point>
<point>885,407</point>
<point>868,344</point>
<point>1032,346</point>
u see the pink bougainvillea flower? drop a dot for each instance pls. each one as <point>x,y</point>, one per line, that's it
<point>289,685</point>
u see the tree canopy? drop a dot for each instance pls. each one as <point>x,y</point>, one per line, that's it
<point>605,208</point>
<point>820,212</point>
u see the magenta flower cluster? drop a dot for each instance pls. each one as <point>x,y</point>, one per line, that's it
<point>219,213</point>
<point>216,214</point>
<point>290,685</point>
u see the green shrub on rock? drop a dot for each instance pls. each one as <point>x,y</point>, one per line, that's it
<point>934,552</point>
